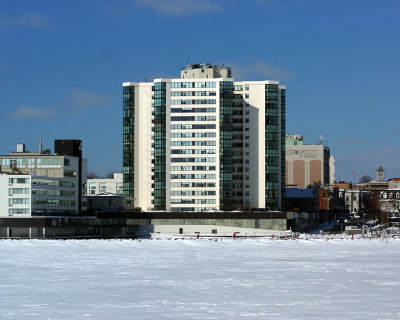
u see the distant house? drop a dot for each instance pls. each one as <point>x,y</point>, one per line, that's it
<point>390,204</point>
<point>313,199</point>
<point>390,200</point>
<point>108,202</point>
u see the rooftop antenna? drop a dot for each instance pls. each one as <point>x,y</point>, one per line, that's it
<point>40,144</point>
<point>187,61</point>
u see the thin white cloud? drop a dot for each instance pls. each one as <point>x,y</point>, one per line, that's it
<point>32,19</point>
<point>179,7</point>
<point>260,69</point>
<point>82,99</point>
<point>28,112</point>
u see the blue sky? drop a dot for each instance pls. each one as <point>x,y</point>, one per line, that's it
<point>62,64</point>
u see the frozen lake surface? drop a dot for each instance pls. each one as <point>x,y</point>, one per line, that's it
<point>200,279</point>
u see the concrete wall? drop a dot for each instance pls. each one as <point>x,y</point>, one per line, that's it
<point>207,229</point>
<point>143,134</point>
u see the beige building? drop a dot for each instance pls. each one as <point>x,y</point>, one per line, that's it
<point>307,164</point>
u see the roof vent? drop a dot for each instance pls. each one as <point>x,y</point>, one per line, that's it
<point>20,147</point>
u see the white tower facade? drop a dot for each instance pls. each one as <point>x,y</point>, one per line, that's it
<point>204,143</point>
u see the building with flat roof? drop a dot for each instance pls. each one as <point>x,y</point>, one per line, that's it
<point>307,164</point>
<point>113,185</point>
<point>41,183</point>
<point>204,142</point>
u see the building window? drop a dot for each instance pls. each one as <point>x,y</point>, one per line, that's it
<point>18,180</point>
<point>19,190</point>
<point>246,96</point>
<point>31,162</point>
<point>49,162</point>
<point>69,173</point>
<point>18,211</point>
<point>246,87</point>
<point>17,163</point>
<point>19,201</point>
<point>385,195</point>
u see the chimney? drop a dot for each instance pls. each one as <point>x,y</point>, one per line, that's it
<point>40,144</point>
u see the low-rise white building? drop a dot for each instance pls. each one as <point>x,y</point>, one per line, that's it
<point>29,195</point>
<point>97,186</point>
<point>41,183</point>
<point>353,199</point>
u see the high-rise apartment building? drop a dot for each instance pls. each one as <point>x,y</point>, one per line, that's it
<point>204,142</point>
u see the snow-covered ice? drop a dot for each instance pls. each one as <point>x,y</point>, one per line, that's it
<point>200,279</point>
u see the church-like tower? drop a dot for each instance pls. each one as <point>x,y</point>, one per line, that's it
<point>380,174</point>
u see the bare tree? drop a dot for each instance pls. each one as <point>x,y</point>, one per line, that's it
<point>365,178</point>
<point>374,210</point>
<point>110,175</point>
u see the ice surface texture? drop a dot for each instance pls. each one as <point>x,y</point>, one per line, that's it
<point>200,279</point>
